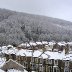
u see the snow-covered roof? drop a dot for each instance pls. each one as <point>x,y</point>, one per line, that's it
<point>68,57</point>
<point>4,47</point>
<point>10,51</point>
<point>51,43</point>
<point>28,53</point>
<point>21,52</point>
<point>44,42</point>
<point>9,46</point>
<point>24,45</point>
<point>37,53</point>
<point>44,56</point>
<point>39,43</point>
<point>32,43</point>
<point>61,43</point>
<point>69,43</point>
<point>47,54</point>
<point>55,55</point>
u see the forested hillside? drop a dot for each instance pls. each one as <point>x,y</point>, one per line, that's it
<point>16,27</point>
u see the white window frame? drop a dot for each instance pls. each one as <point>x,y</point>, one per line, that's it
<point>36,59</point>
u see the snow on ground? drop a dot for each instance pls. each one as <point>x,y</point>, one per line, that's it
<point>14,70</point>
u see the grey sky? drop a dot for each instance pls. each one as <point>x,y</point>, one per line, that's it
<point>55,8</point>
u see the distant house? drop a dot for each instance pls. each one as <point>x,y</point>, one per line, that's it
<point>39,45</point>
<point>56,47</point>
<point>50,45</point>
<point>23,46</point>
<point>9,46</point>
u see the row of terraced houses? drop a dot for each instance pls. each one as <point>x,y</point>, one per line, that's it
<point>41,56</point>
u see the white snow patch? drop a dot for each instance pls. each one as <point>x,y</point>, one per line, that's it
<point>14,70</point>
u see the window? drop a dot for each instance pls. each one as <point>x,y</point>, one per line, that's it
<point>47,68</point>
<point>41,60</point>
<point>32,59</point>
<point>25,64</point>
<point>18,58</point>
<point>67,64</point>
<point>55,69</point>
<point>55,62</point>
<point>33,66</point>
<point>46,61</point>
<point>37,65</point>
<point>25,58</point>
<point>41,68</point>
<point>50,61</point>
<point>36,60</point>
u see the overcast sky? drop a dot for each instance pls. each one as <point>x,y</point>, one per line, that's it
<point>54,8</point>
